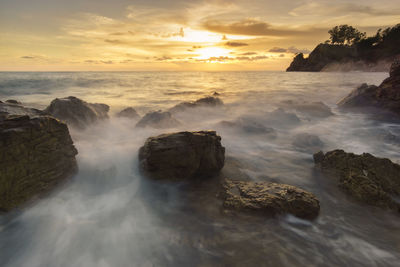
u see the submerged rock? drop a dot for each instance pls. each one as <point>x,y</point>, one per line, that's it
<point>385,96</point>
<point>12,101</point>
<point>128,113</point>
<point>209,101</point>
<point>281,118</point>
<point>17,109</point>
<point>36,154</point>
<point>308,142</point>
<point>182,155</point>
<point>312,109</point>
<point>369,179</point>
<point>248,126</point>
<point>158,120</point>
<point>269,199</point>
<point>76,112</point>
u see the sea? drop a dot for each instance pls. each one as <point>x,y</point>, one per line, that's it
<point>110,215</point>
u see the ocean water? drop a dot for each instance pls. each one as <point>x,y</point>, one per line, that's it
<point>109,215</point>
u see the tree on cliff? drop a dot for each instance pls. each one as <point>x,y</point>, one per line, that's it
<point>345,34</point>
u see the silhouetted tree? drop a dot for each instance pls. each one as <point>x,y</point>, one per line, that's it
<point>345,34</point>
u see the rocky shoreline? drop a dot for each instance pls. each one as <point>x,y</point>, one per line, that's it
<point>38,152</point>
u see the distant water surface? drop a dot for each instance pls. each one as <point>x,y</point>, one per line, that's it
<point>109,215</point>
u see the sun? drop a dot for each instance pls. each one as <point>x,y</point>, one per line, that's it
<point>212,52</point>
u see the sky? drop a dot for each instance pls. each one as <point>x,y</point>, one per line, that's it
<point>174,35</point>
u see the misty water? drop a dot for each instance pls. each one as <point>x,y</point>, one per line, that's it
<point>110,215</point>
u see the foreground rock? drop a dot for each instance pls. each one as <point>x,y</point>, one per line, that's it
<point>372,180</point>
<point>129,113</point>
<point>36,154</point>
<point>269,199</point>
<point>182,155</point>
<point>385,96</point>
<point>210,102</point>
<point>158,120</point>
<point>76,112</point>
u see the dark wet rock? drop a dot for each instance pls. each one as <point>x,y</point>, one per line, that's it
<point>385,96</point>
<point>76,112</point>
<point>269,199</point>
<point>375,181</point>
<point>248,126</point>
<point>36,154</point>
<point>128,113</point>
<point>158,120</point>
<point>216,94</point>
<point>312,109</point>
<point>209,101</point>
<point>308,142</point>
<point>13,109</point>
<point>182,155</point>
<point>281,118</point>
<point>12,101</point>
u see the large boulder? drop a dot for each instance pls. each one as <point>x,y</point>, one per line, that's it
<point>76,112</point>
<point>129,113</point>
<point>36,154</point>
<point>210,102</point>
<point>158,120</point>
<point>369,179</point>
<point>385,96</point>
<point>269,199</point>
<point>182,155</point>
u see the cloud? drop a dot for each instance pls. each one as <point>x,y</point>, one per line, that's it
<point>277,50</point>
<point>235,44</point>
<point>248,54</point>
<point>313,7</point>
<point>291,49</point>
<point>249,27</point>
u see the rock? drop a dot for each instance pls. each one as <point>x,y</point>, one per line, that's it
<point>158,120</point>
<point>385,97</point>
<point>209,101</point>
<point>269,199</point>
<point>361,97</point>
<point>367,178</point>
<point>216,94</point>
<point>12,101</point>
<point>76,112</point>
<point>308,142</point>
<point>128,113</point>
<point>247,126</point>
<point>281,118</point>
<point>13,109</point>
<point>312,109</point>
<point>36,154</point>
<point>182,155</point>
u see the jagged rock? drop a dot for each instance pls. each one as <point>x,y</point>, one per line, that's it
<point>182,155</point>
<point>158,120</point>
<point>312,109</point>
<point>372,180</point>
<point>128,113</point>
<point>76,112</point>
<point>386,96</point>
<point>269,199</point>
<point>247,126</point>
<point>308,142</point>
<point>36,154</point>
<point>209,101</point>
